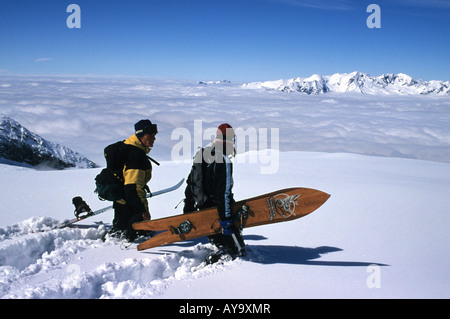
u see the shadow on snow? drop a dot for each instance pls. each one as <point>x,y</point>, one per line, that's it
<point>279,254</point>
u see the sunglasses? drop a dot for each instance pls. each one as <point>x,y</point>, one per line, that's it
<point>151,129</point>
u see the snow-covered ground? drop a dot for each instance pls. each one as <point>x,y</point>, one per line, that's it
<point>382,234</point>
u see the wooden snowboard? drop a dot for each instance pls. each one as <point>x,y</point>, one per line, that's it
<point>279,206</point>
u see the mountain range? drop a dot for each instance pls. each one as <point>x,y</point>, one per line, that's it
<point>355,82</point>
<point>21,146</point>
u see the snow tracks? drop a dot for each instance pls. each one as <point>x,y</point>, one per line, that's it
<point>37,262</point>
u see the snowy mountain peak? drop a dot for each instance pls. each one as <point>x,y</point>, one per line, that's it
<point>399,83</point>
<point>20,145</point>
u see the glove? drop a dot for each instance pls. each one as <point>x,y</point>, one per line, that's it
<point>146,216</point>
<point>227,226</point>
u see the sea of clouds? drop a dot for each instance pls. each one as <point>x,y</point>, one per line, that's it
<point>88,113</point>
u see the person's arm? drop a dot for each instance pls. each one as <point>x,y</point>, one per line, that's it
<point>223,184</point>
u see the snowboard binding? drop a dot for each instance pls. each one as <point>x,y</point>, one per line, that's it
<point>242,215</point>
<point>184,228</point>
<point>82,210</point>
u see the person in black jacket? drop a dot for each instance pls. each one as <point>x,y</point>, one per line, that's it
<point>217,184</point>
<point>137,172</point>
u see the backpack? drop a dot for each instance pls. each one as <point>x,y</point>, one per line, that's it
<point>109,183</point>
<point>195,195</point>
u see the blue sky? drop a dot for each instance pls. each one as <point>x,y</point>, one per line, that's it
<point>238,40</point>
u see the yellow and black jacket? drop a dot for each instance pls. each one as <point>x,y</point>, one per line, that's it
<point>137,172</point>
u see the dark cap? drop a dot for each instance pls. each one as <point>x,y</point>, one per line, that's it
<point>145,127</point>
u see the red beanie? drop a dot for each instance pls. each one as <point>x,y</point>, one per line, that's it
<point>225,132</point>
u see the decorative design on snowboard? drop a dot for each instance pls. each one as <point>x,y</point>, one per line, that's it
<point>283,206</point>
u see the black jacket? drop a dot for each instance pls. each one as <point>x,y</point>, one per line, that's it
<point>218,181</point>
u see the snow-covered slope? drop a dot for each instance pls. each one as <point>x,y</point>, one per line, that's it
<point>382,234</point>
<point>356,82</point>
<point>19,145</point>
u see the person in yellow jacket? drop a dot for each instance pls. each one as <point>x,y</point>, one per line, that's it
<point>137,172</point>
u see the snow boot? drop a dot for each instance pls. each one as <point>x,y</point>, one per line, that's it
<point>218,255</point>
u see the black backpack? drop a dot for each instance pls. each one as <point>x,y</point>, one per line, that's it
<point>110,182</point>
<point>195,196</point>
